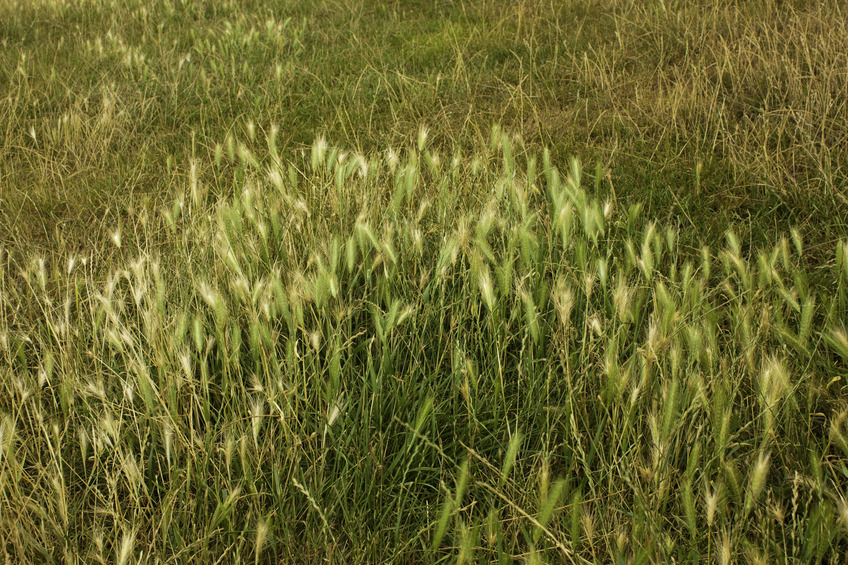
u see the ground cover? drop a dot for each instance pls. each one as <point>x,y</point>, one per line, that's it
<point>555,282</point>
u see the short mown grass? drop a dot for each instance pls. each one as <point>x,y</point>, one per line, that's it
<point>326,282</point>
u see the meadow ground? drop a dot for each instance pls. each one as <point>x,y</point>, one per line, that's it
<point>423,281</point>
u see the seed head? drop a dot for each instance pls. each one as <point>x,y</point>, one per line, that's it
<point>711,499</point>
<point>127,544</point>
<point>261,536</point>
<point>486,288</point>
<point>725,549</point>
<point>758,479</point>
<point>392,159</point>
<point>563,298</point>
<point>423,131</point>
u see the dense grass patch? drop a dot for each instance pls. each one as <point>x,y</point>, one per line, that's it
<point>437,338</point>
<point>408,357</point>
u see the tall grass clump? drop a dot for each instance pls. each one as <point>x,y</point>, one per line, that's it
<point>419,356</point>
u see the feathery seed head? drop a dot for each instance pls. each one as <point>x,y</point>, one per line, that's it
<point>476,166</point>
<point>229,447</point>
<point>797,240</point>
<point>594,322</point>
<point>315,340</point>
<point>41,273</point>
<point>319,152</point>
<point>725,549</point>
<point>257,411</point>
<point>392,159</point>
<point>336,409</point>
<point>773,384</point>
<point>843,512</point>
<point>484,280</point>
<point>758,477</point>
<point>130,467</point>
<point>588,522</point>
<point>602,271</point>
<point>589,278</point>
<point>127,544</point>
<point>362,165</point>
<point>214,300</point>
<point>775,508</point>
<point>563,298</point>
<point>840,340</point>
<point>621,298</point>
<point>423,131</point>
<point>261,536</point>
<point>435,161</point>
<point>275,177</point>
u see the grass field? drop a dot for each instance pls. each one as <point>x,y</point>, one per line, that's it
<point>423,282</point>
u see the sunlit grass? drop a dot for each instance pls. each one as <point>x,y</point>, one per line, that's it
<point>718,114</point>
<point>333,360</point>
<point>323,281</point>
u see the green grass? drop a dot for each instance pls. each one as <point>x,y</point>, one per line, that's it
<point>432,337</point>
<point>754,93</point>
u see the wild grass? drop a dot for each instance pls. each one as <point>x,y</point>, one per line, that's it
<point>324,281</point>
<point>713,114</point>
<point>402,357</point>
